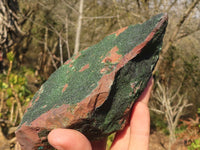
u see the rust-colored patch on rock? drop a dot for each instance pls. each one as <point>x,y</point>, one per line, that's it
<point>28,134</point>
<point>44,106</point>
<point>33,102</point>
<point>126,117</point>
<point>132,85</point>
<point>118,32</point>
<point>135,51</point>
<point>97,97</point>
<point>64,88</point>
<point>106,69</point>
<point>37,99</point>
<point>85,48</point>
<point>68,61</point>
<point>112,56</point>
<point>84,68</point>
<point>70,65</point>
<point>103,70</point>
<point>77,55</point>
<point>29,105</point>
<point>56,117</point>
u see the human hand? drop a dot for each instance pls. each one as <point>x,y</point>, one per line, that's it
<point>134,136</point>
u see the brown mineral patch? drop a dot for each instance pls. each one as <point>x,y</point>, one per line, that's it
<point>37,99</point>
<point>68,61</point>
<point>84,68</point>
<point>107,60</point>
<point>29,105</point>
<point>112,56</point>
<point>27,137</point>
<point>102,71</point>
<point>70,65</point>
<point>64,88</point>
<point>132,85</point>
<point>54,118</point>
<point>44,106</point>
<point>106,69</point>
<point>118,32</point>
<point>77,55</point>
<point>85,48</point>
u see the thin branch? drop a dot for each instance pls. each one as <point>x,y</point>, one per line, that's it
<point>66,37</point>
<point>157,111</point>
<point>2,100</point>
<point>78,30</point>
<point>187,34</point>
<point>173,3</point>
<point>69,6</point>
<point>100,17</point>
<point>173,37</point>
<point>61,51</point>
<point>18,102</point>
<point>52,60</point>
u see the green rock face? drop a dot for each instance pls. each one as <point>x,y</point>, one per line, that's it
<point>94,91</point>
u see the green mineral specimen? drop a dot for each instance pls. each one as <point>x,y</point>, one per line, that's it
<point>94,91</point>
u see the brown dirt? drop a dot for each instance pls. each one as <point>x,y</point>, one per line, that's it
<point>159,141</point>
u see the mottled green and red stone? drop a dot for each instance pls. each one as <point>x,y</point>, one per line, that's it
<point>94,91</point>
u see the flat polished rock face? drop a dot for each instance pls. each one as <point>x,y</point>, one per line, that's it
<point>94,90</point>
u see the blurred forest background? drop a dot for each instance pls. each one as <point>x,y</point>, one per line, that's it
<point>37,36</point>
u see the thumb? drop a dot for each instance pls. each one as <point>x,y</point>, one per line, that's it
<point>68,139</point>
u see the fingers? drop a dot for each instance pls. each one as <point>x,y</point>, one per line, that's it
<point>140,121</point>
<point>139,125</point>
<point>121,141</point>
<point>68,139</point>
<point>144,98</point>
<point>134,136</point>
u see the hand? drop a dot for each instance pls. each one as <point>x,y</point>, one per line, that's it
<point>134,136</point>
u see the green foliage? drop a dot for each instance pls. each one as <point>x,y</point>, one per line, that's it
<point>110,140</point>
<point>181,129</point>
<point>158,123</point>
<point>10,56</point>
<point>13,90</point>
<point>195,145</point>
<point>198,111</point>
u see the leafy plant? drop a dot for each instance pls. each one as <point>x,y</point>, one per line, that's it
<point>110,140</point>
<point>13,93</point>
<point>14,97</point>
<point>195,145</point>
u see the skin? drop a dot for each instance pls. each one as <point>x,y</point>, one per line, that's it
<point>134,136</point>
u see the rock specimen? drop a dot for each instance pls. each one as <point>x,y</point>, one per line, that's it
<point>94,91</point>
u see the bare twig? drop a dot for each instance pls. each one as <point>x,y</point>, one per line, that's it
<point>78,30</point>
<point>170,104</point>
<point>12,111</point>
<point>69,6</point>
<point>61,51</point>
<point>173,37</point>
<point>100,17</point>
<point>172,4</point>
<point>117,9</point>
<point>66,37</point>
<point>52,59</point>
<point>2,100</point>
<point>18,102</point>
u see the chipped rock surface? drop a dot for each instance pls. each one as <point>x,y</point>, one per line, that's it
<point>94,90</point>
